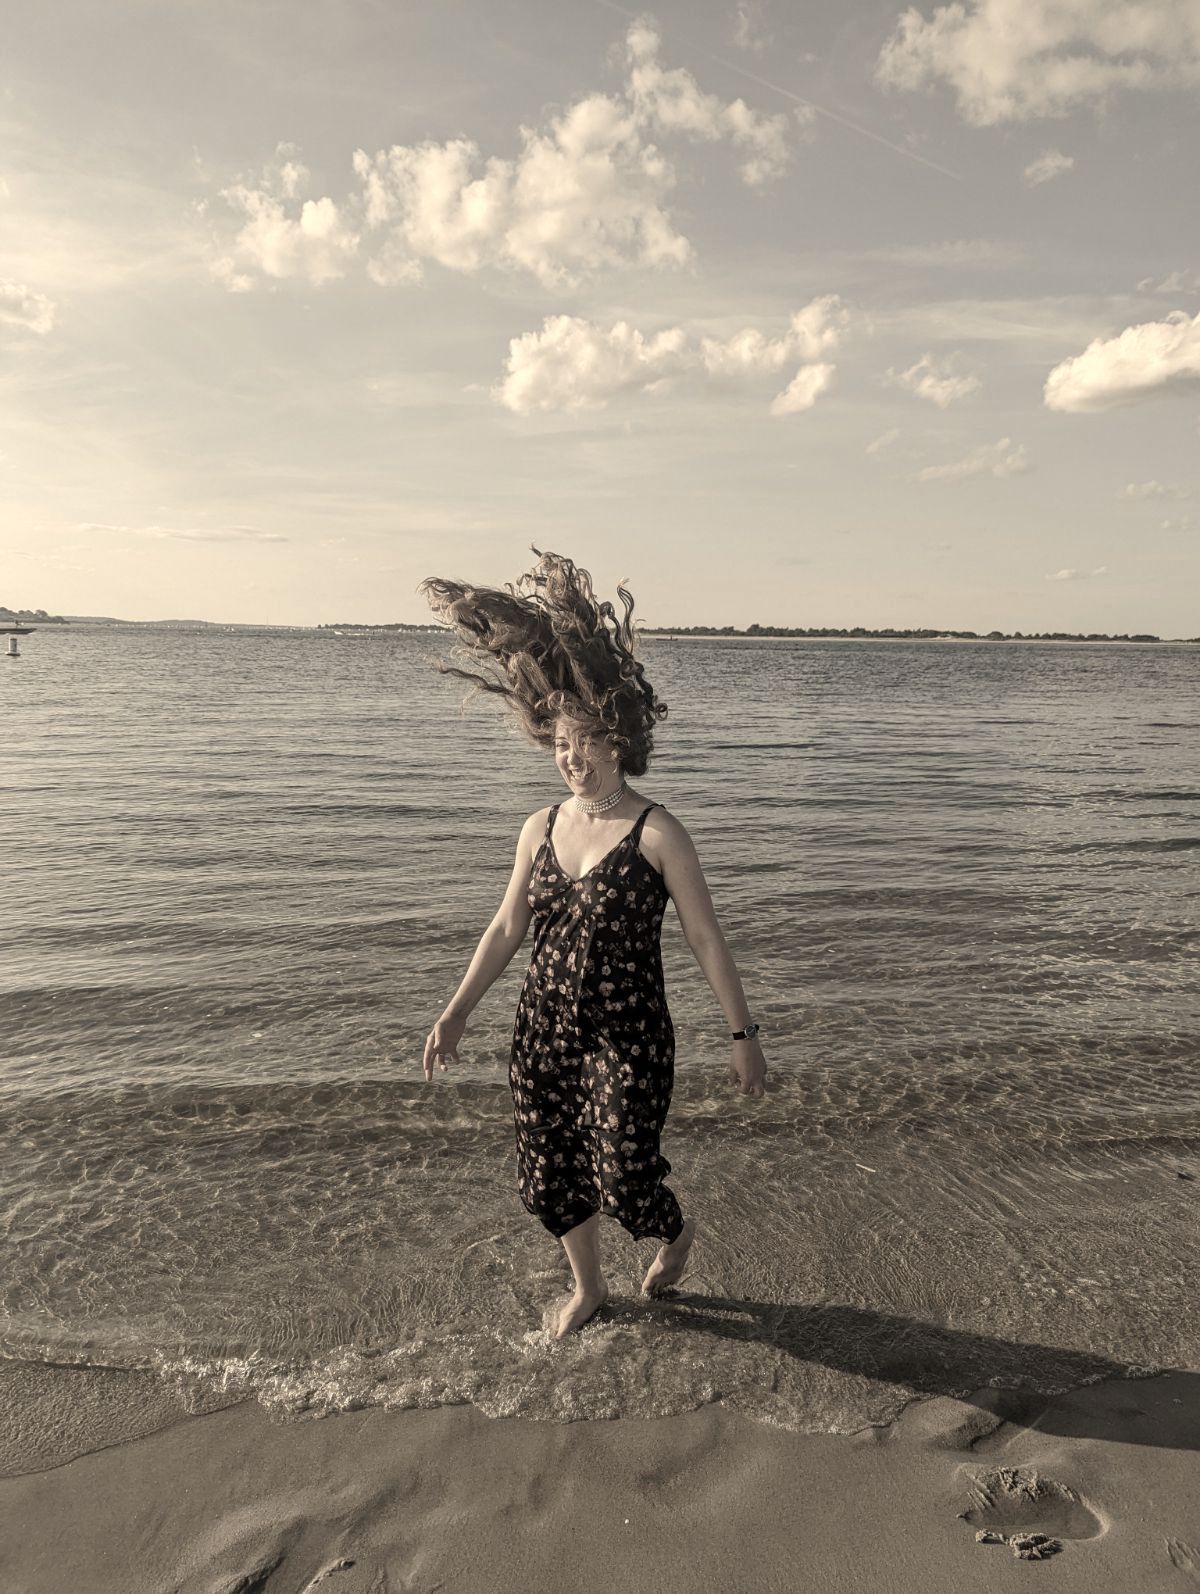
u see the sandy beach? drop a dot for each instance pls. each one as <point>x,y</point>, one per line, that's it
<point>110,1487</point>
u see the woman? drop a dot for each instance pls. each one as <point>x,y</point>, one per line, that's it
<point>592,1063</point>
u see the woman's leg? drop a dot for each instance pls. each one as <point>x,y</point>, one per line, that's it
<point>582,1245</point>
<point>667,1267</point>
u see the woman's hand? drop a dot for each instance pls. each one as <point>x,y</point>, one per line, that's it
<point>441,1044</point>
<point>748,1068</point>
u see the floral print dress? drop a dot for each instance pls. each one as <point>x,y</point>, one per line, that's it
<point>593,1047</point>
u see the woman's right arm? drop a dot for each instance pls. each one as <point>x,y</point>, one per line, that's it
<point>493,954</point>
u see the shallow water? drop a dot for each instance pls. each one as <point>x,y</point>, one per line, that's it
<point>247,870</point>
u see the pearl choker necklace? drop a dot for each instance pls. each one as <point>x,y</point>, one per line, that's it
<point>601,804</point>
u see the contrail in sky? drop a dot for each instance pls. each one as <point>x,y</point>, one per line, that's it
<point>833,116</point>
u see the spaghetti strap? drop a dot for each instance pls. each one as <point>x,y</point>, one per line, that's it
<point>550,818</point>
<point>635,835</point>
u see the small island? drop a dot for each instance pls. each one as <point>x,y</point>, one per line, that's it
<point>386,625</point>
<point>29,617</point>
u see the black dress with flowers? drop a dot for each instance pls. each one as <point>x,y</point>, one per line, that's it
<point>593,1049</point>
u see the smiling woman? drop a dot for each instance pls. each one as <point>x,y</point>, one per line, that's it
<point>556,655</point>
<point>593,1048</point>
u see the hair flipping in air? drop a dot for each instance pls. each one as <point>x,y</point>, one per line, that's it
<point>550,653</point>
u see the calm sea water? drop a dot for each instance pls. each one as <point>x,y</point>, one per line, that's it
<point>245,870</point>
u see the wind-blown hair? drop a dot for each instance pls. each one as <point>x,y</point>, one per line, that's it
<point>550,654</point>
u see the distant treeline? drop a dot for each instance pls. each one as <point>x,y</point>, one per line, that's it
<point>31,614</point>
<point>915,634</point>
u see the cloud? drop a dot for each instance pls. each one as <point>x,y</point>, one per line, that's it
<point>940,384</point>
<point>1009,62</point>
<point>812,332</point>
<point>573,364</point>
<point>1154,489</point>
<point>317,245</point>
<point>671,101</point>
<point>1173,282</point>
<point>1152,358</point>
<point>884,440</point>
<point>22,307</point>
<point>585,195</point>
<point>1050,164</point>
<point>1002,458</point>
<point>189,534</point>
<point>585,192</point>
<point>950,254</point>
<point>748,27</point>
<point>1077,575</point>
<point>802,392</point>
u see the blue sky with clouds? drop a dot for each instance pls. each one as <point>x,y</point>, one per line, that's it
<point>833,314</point>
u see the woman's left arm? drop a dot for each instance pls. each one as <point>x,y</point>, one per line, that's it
<point>684,879</point>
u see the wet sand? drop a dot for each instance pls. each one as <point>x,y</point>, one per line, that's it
<point>110,1487</point>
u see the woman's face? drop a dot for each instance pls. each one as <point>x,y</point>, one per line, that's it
<point>585,762</point>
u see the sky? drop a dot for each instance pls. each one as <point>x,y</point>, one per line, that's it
<point>827,314</point>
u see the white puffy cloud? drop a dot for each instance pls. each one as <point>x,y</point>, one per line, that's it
<point>802,392</point>
<point>317,244</point>
<point>1154,357</point>
<point>585,192</point>
<point>1010,60</point>
<point>1071,574</point>
<point>1051,163</point>
<point>940,384</point>
<point>1002,458</point>
<point>573,364</point>
<point>671,101</point>
<point>22,307</point>
<point>584,195</point>
<point>812,332</point>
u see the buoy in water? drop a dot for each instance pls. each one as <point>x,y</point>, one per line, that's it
<point>13,651</point>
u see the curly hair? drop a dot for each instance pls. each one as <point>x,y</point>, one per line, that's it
<point>550,654</point>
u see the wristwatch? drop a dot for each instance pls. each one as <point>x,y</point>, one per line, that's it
<point>745,1034</point>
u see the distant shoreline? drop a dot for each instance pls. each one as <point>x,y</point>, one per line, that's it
<point>968,641</point>
<point>401,628</point>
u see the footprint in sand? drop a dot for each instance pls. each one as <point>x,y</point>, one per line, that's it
<point>256,1581</point>
<point>337,1566</point>
<point>1018,1507</point>
<point>1184,1557</point>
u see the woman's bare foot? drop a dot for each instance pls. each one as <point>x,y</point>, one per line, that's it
<point>667,1267</point>
<point>582,1305</point>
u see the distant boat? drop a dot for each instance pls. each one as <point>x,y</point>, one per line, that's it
<point>16,630</point>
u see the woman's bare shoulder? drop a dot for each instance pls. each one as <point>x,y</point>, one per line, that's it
<point>533,831</point>
<point>665,822</point>
<point>662,833</point>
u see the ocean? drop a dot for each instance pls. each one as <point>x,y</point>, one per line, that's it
<point>245,869</point>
